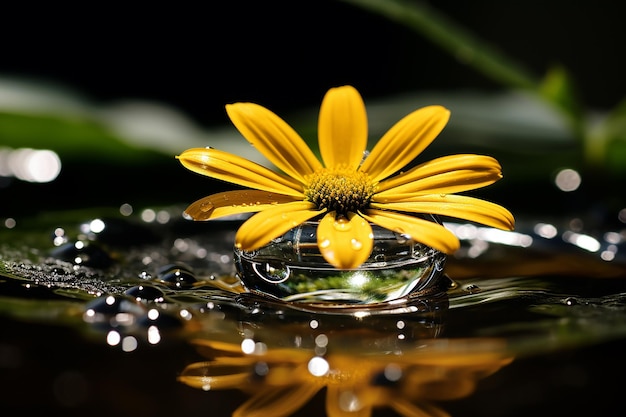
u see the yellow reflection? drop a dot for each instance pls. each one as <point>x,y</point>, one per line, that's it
<point>282,380</point>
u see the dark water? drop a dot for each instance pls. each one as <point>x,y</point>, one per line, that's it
<point>104,314</point>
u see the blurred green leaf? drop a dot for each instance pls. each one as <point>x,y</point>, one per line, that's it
<point>558,88</point>
<point>609,140</point>
<point>70,137</point>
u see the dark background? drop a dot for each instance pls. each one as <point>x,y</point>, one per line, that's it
<point>285,54</point>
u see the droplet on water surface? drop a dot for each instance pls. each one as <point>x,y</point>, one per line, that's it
<point>145,293</point>
<point>83,253</point>
<point>178,276</point>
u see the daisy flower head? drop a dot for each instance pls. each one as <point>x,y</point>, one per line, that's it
<point>345,191</point>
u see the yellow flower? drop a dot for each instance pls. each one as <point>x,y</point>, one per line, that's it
<point>347,191</point>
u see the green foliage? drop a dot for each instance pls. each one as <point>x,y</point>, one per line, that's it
<point>70,136</point>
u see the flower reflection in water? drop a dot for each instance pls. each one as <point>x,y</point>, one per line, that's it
<point>391,357</point>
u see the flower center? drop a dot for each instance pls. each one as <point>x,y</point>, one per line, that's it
<point>339,190</point>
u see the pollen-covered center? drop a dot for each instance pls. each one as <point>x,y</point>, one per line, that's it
<point>339,190</point>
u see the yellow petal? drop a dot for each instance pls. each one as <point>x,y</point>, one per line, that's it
<point>237,170</point>
<point>277,401</point>
<point>404,141</point>
<point>273,222</point>
<point>274,138</point>
<point>344,243</point>
<point>444,183</point>
<point>419,230</point>
<point>234,202</point>
<point>440,166</point>
<point>342,128</point>
<point>461,207</point>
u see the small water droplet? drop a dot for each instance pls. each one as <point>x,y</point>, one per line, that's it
<point>379,257</point>
<point>342,224</point>
<point>401,238</point>
<point>206,207</point>
<point>472,288</point>
<point>324,243</point>
<point>356,244</point>
<point>570,301</point>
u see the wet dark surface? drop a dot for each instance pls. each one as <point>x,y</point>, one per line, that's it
<point>79,333</point>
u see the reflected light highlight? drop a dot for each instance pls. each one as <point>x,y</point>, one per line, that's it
<point>489,234</point>
<point>582,241</point>
<point>32,165</point>
<point>567,180</point>
<point>545,230</point>
<point>318,366</point>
